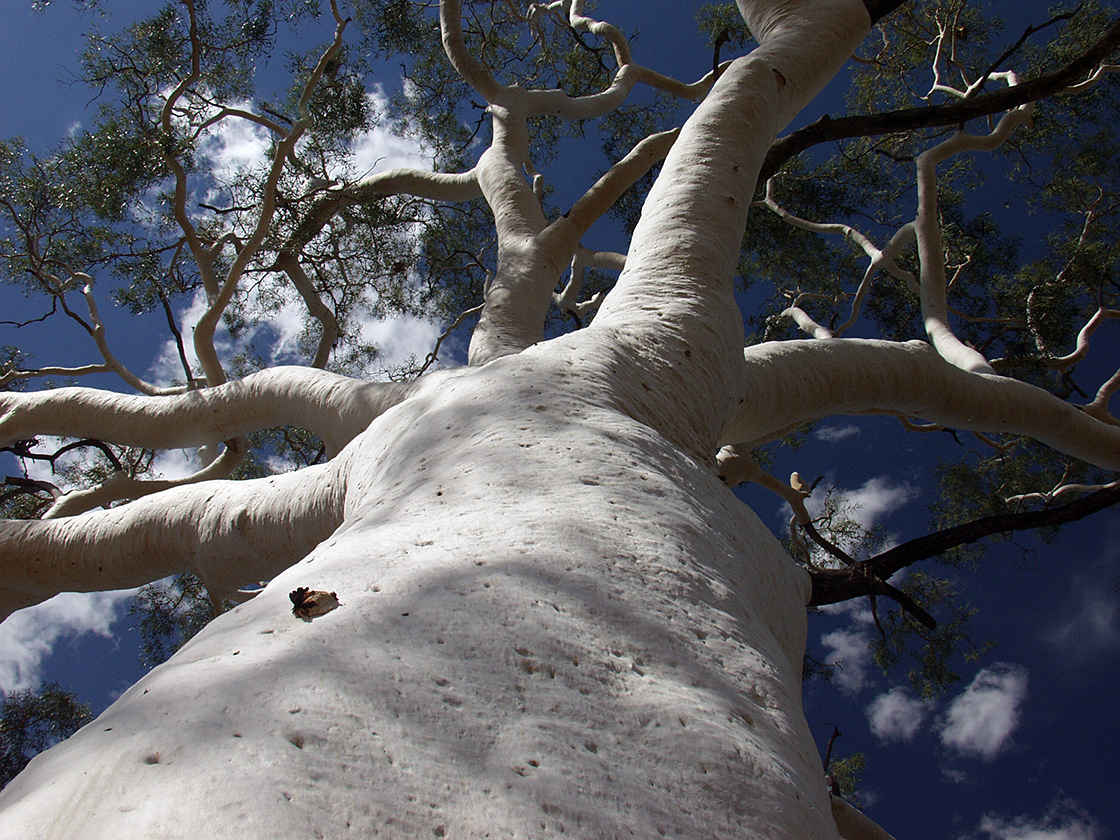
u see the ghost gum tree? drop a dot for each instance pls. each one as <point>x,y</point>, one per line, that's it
<point>555,616</point>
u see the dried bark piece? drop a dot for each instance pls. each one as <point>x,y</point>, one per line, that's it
<point>311,603</point>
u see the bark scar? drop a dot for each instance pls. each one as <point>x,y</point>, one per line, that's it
<point>312,603</point>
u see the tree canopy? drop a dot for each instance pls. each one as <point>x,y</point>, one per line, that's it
<point>880,270</point>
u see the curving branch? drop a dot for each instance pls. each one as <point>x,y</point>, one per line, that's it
<point>567,300</point>
<point>565,233</point>
<point>436,186</point>
<point>112,363</point>
<point>927,229</point>
<point>333,407</point>
<point>879,259</point>
<point>268,202</point>
<point>289,263</point>
<point>790,383</point>
<point>226,532</point>
<point>123,486</point>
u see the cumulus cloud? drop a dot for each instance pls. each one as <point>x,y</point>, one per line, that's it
<point>851,656</point>
<point>869,504</point>
<point>380,149</point>
<point>401,338</point>
<point>878,498</point>
<point>28,636</point>
<point>982,719</point>
<point>1064,820</point>
<point>835,434</point>
<point>234,146</point>
<point>896,716</point>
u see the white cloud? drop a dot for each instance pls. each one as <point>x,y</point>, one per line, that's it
<point>28,636</point>
<point>878,498</point>
<point>381,149</point>
<point>234,146</point>
<point>896,716</point>
<point>851,656</point>
<point>173,464</point>
<point>868,504</point>
<point>1064,820</point>
<point>982,719</point>
<point>400,338</point>
<point>834,434</point>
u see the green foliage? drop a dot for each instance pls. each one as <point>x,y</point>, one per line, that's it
<point>33,720</point>
<point>715,19</point>
<point>845,774</point>
<point>933,652</point>
<point>169,614</point>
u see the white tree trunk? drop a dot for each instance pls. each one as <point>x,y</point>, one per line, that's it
<point>552,622</point>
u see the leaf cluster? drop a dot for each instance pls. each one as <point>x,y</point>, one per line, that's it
<point>32,720</point>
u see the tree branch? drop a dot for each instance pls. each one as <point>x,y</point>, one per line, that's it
<point>333,407</point>
<point>228,533</point>
<point>827,129</point>
<point>789,383</point>
<point>831,586</point>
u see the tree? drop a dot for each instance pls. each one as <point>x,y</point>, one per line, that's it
<point>532,604</point>
<point>31,721</point>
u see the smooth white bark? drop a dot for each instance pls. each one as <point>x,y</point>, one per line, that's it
<point>793,382</point>
<point>333,407</point>
<point>229,533</point>
<point>554,618</point>
<point>616,651</point>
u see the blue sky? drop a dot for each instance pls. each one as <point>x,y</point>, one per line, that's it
<point>1017,749</point>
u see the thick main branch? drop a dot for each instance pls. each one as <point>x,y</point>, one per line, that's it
<point>229,533</point>
<point>790,383</point>
<point>333,407</point>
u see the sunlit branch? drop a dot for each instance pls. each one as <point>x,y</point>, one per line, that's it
<point>568,300</point>
<point>566,231</point>
<point>806,323</point>
<point>736,467</point>
<point>1099,406</point>
<point>227,532</point>
<point>879,259</point>
<point>240,113</point>
<point>458,322</point>
<point>204,329</point>
<point>1081,347</point>
<point>121,486</point>
<point>931,250</point>
<point>203,258</point>
<point>1058,492</point>
<point>473,73</point>
<point>333,407</point>
<point>559,103</point>
<point>290,265</point>
<point>34,373</point>
<point>436,186</point>
<point>792,382</point>
<point>111,361</point>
